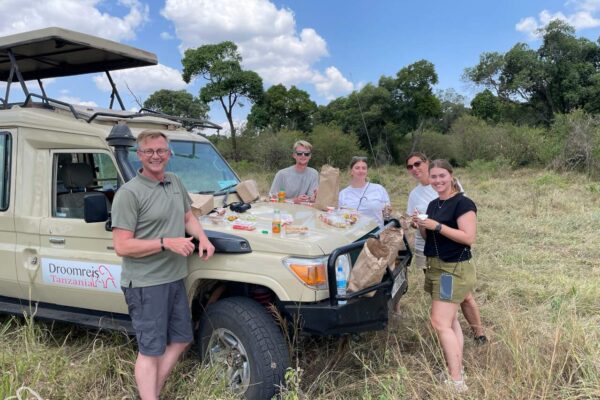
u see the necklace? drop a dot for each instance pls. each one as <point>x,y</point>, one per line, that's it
<point>440,204</point>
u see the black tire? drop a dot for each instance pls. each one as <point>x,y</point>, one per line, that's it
<point>241,334</point>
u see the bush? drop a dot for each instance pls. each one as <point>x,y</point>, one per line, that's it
<point>573,143</point>
<point>433,144</point>
<point>273,150</point>
<point>333,147</point>
<point>474,139</point>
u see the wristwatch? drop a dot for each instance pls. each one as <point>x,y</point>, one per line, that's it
<point>162,245</point>
<point>438,227</point>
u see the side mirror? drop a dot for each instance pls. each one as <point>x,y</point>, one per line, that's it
<point>95,208</point>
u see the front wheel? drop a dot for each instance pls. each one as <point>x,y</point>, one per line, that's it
<point>239,335</point>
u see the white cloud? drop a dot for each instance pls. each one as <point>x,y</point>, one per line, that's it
<point>333,84</point>
<point>79,15</point>
<point>591,6</point>
<point>581,18</point>
<point>166,36</point>
<point>529,26</point>
<point>267,39</point>
<point>142,81</point>
<point>16,93</point>
<point>77,100</point>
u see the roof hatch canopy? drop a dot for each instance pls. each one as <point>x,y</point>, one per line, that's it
<point>56,52</point>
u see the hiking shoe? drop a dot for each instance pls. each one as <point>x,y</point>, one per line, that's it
<point>457,386</point>
<point>480,340</point>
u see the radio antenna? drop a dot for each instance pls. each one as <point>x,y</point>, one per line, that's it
<point>365,126</point>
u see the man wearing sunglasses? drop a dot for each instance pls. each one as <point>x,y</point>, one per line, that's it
<point>299,181</point>
<point>151,215</point>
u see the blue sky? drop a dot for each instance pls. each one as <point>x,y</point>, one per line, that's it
<point>327,47</point>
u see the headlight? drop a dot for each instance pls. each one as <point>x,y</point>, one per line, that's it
<point>311,271</point>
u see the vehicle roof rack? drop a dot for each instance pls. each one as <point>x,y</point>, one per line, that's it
<point>196,122</point>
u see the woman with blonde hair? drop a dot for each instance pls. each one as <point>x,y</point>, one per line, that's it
<point>449,229</point>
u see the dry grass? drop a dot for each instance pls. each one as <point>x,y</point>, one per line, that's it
<point>538,259</point>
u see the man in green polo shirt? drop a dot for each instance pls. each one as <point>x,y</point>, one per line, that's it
<point>150,217</point>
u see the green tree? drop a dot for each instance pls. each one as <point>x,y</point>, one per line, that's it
<point>412,93</point>
<point>178,103</point>
<point>281,108</point>
<point>559,77</point>
<point>227,82</point>
<point>486,106</point>
<point>452,107</point>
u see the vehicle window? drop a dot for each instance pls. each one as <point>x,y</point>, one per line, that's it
<point>77,174</point>
<point>199,166</point>
<point>5,163</point>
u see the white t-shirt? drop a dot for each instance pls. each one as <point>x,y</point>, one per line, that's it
<point>368,200</point>
<point>419,198</point>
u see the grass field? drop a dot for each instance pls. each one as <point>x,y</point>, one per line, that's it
<point>538,260</point>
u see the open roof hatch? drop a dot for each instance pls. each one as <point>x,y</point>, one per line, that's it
<point>55,52</point>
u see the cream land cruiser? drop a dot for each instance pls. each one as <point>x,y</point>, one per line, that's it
<point>60,166</point>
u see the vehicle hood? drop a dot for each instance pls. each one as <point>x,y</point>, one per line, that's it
<point>320,239</point>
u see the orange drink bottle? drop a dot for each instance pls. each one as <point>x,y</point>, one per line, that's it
<point>276,224</point>
<point>281,195</point>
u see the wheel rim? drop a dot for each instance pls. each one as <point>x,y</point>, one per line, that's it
<point>226,350</point>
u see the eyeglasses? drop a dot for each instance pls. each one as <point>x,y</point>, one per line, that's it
<point>150,152</point>
<point>301,153</point>
<point>416,164</point>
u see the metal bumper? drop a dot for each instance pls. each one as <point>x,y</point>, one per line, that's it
<point>359,314</point>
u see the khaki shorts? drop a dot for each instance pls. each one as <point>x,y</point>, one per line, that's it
<point>463,278</point>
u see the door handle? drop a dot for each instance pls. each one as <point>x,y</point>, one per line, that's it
<point>56,240</point>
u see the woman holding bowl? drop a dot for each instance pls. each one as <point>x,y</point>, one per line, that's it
<point>449,231</point>
<point>417,165</point>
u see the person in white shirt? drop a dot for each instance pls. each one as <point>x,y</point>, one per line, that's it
<point>367,198</point>
<point>417,165</point>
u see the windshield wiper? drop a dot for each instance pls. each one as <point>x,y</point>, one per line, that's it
<point>226,189</point>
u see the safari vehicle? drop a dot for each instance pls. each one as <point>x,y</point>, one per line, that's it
<point>60,166</point>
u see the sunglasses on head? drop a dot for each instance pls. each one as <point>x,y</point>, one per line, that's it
<point>359,158</point>
<point>303,153</point>
<point>416,164</point>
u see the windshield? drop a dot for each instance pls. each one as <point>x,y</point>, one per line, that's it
<point>198,165</point>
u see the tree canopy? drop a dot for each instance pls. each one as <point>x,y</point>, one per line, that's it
<point>281,108</point>
<point>559,77</point>
<point>220,65</point>
<point>178,103</point>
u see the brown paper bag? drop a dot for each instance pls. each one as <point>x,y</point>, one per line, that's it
<point>392,238</point>
<point>202,204</point>
<point>329,188</point>
<point>247,191</point>
<point>369,266</point>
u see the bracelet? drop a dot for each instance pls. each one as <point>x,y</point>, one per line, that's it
<point>162,245</point>
<point>438,227</point>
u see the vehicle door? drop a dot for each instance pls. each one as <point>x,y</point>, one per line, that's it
<point>9,285</point>
<point>78,261</point>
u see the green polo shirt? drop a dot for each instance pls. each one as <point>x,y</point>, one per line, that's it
<point>151,210</point>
